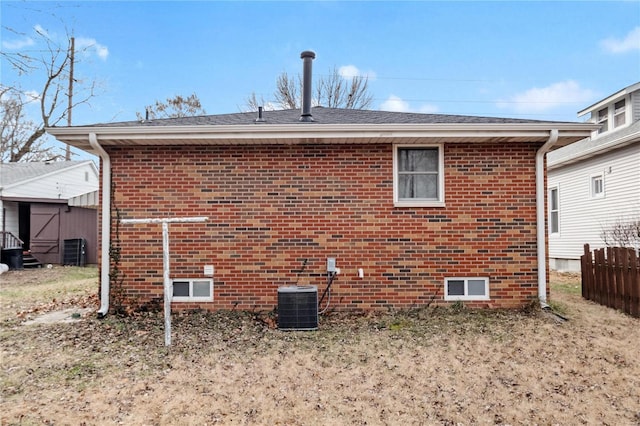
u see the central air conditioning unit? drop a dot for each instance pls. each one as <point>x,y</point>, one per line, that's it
<point>298,307</point>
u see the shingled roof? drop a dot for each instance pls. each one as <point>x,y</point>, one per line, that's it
<point>321,115</point>
<point>330,126</point>
<point>14,173</point>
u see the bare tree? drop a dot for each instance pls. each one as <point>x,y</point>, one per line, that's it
<point>16,129</point>
<point>622,233</point>
<point>332,90</point>
<point>178,106</point>
<point>52,67</point>
<point>288,92</point>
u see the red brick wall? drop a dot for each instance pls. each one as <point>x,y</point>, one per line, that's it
<point>271,207</point>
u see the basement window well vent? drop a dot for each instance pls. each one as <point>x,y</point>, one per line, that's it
<point>466,289</point>
<point>192,290</point>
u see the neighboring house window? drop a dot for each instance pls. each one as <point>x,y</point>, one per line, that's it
<point>597,186</point>
<point>418,176</point>
<point>196,290</point>
<point>619,113</point>
<point>554,211</point>
<point>466,289</point>
<point>603,120</point>
<point>612,116</point>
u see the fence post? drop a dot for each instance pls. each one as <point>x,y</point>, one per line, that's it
<point>634,283</point>
<point>586,272</point>
<point>620,256</point>
<point>610,284</point>
<point>598,255</point>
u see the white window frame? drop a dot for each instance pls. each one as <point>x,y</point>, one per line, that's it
<point>555,188</point>
<point>466,296</point>
<point>192,298</point>
<point>616,114</point>
<point>592,187</point>
<point>397,202</point>
<point>610,117</point>
<point>603,120</point>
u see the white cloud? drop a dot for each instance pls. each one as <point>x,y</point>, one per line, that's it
<point>32,96</point>
<point>91,45</point>
<point>350,71</point>
<point>38,28</point>
<point>630,42</point>
<point>539,99</point>
<point>17,44</point>
<point>395,104</point>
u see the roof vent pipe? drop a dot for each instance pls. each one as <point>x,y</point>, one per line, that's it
<point>260,118</point>
<point>307,56</point>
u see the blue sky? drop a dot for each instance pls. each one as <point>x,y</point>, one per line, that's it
<point>541,60</point>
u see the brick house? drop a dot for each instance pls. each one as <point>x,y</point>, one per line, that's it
<point>414,208</point>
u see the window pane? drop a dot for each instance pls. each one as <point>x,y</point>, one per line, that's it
<point>418,160</point>
<point>476,288</point>
<point>181,288</point>
<point>603,116</point>
<point>596,184</point>
<point>553,222</point>
<point>201,289</point>
<point>554,199</point>
<point>455,288</point>
<point>418,186</point>
<point>619,116</point>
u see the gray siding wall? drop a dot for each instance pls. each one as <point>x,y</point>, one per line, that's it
<point>583,218</point>
<point>635,106</point>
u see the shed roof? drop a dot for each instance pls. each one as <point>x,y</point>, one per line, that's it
<point>16,173</point>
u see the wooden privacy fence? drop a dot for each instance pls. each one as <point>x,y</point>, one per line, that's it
<point>611,277</point>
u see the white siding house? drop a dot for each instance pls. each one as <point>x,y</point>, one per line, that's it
<point>595,183</point>
<point>43,203</point>
<point>42,181</point>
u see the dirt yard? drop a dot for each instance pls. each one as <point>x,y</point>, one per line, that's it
<point>432,366</point>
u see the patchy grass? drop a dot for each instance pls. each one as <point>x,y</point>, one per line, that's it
<point>21,291</point>
<point>566,283</point>
<point>433,365</point>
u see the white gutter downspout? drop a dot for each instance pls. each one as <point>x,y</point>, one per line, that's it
<point>540,212</point>
<point>106,225</point>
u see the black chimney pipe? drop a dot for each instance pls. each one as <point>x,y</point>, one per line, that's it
<point>307,56</point>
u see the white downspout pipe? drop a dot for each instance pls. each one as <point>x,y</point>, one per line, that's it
<point>106,225</point>
<point>540,213</point>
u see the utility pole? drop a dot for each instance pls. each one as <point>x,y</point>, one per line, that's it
<point>72,51</point>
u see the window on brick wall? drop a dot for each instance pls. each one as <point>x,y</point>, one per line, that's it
<point>192,290</point>
<point>466,288</point>
<point>418,177</point>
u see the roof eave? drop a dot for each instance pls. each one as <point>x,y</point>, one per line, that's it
<point>275,133</point>
<point>596,150</point>
<point>601,103</point>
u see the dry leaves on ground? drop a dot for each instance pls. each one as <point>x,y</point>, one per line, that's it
<point>426,366</point>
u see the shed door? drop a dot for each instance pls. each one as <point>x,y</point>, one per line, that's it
<point>45,233</point>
